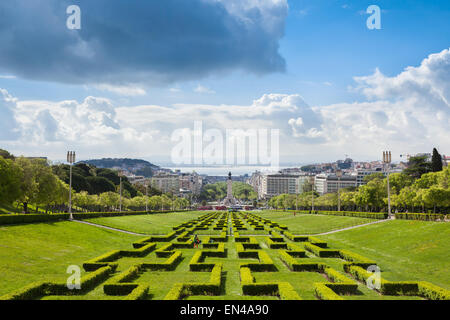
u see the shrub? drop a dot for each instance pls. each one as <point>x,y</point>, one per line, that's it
<point>432,292</point>
<point>323,253</point>
<point>323,292</point>
<point>139,293</point>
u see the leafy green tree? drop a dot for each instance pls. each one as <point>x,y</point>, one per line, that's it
<point>436,161</point>
<point>436,196</point>
<point>417,166</point>
<point>398,181</point>
<point>6,155</point>
<point>109,200</point>
<point>100,184</point>
<point>11,177</point>
<point>376,175</point>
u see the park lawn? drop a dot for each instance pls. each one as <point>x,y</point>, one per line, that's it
<point>155,223</point>
<point>8,208</point>
<point>403,249</point>
<point>304,224</point>
<point>43,251</point>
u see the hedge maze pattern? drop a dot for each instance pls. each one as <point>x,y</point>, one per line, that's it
<point>257,249</point>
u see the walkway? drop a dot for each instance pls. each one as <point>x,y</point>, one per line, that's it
<point>109,228</point>
<point>349,228</point>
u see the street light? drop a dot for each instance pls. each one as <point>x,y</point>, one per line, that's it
<point>70,160</point>
<point>120,189</point>
<point>386,161</point>
<point>146,197</point>
<point>339,175</point>
<point>312,194</point>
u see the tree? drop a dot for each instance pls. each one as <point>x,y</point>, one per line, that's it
<point>100,185</point>
<point>6,155</point>
<point>11,177</point>
<point>109,200</point>
<point>435,196</point>
<point>417,166</point>
<point>436,161</point>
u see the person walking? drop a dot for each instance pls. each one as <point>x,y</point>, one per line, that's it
<point>195,241</point>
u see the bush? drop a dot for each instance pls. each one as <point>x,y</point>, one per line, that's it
<point>139,293</point>
<point>169,264</point>
<point>40,289</point>
<point>355,260</point>
<point>323,292</point>
<point>432,292</point>
<point>323,253</point>
<point>421,216</point>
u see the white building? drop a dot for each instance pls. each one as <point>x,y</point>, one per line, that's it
<point>192,182</point>
<point>362,173</point>
<point>166,183</point>
<point>327,183</point>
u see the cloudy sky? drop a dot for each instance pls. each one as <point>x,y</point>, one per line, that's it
<point>137,71</point>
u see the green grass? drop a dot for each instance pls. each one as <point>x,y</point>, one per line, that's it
<point>156,223</point>
<point>7,208</point>
<point>304,224</point>
<point>404,249</point>
<point>35,252</point>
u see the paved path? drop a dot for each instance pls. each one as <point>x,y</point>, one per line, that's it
<point>348,228</point>
<point>109,228</point>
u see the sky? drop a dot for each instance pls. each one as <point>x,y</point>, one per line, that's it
<point>136,73</point>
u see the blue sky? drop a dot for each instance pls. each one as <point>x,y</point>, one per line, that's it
<point>199,54</point>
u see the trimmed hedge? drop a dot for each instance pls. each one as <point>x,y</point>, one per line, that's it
<point>197,264</point>
<point>265,262</point>
<point>293,265</point>
<point>355,260</point>
<point>19,218</point>
<point>323,292</point>
<point>39,289</point>
<point>282,289</point>
<point>323,253</point>
<point>317,242</point>
<point>415,288</point>
<point>275,244</point>
<point>422,216</point>
<point>295,238</point>
<point>371,215</point>
<point>296,251</point>
<point>107,258</point>
<point>169,264</point>
<point>180,290</point>
<point>139,293</point>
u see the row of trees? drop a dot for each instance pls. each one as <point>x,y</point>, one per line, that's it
<point>429,192</point>
<point>110,201</point>
<point>218,191</point>
<point>25,181</point>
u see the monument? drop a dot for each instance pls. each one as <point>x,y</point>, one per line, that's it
<point>229,200</point>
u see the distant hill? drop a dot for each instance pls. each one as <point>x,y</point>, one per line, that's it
<point>136,166</point>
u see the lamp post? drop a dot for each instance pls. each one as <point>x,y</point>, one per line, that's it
<point>71,161</point>
<point>312,195</point>
<point>386,161</point>
<point>339,175</point>
<point>146,197</point>
<point>120,190</point>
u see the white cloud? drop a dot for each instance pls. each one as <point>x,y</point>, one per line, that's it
<point>202,89</point>
<point>406,113</point>
<point>7,77</point>
<point>130,90</point>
